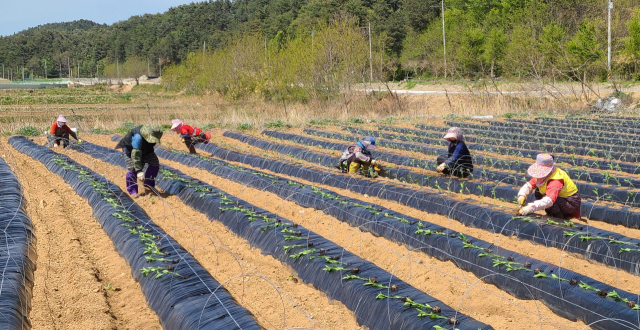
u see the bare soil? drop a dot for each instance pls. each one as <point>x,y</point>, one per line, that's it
<point>80,282</point>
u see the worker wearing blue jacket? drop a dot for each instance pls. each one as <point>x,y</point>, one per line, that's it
<point>458,160</point>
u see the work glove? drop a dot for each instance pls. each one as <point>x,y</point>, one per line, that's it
<point>140,176</point>
<point>521,200</point>
<point>441,168</point>
<point>525,210</point>
<point>55,145</point>
<point>80,141</point>
<point>374,162</point>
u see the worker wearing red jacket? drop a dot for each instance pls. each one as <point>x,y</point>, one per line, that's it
<point>59,133</point>
<point>190,135</point>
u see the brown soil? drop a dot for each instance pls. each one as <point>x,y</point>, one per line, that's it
<point>227,257</point>
<point>487,201</point>
<point>76,259</point>
<point>505,311</point>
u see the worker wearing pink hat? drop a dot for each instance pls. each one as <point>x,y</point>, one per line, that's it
<point>555,191</point>
<point>457,161</point>
<point>59,133</point>
<point>191,136</point>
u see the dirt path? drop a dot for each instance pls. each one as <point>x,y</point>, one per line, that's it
<point>227,256</point>
<point>76,259</point>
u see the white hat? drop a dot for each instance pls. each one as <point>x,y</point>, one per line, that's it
<point>175,123</point>
<point>62,119</point>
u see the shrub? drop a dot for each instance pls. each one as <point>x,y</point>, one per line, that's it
<point>28,131</point>
<point>165,127</point>
<point>323,121</point>
<point>126,127</point>
<point>243,126</point>
<point>278,124</point>
<point>100,131</point>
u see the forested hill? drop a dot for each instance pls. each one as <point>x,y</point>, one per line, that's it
<point>483,36</point>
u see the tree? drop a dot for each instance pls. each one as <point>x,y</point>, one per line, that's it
<point>134,67</point>
<point>584,47</point>
<point>632,43</point>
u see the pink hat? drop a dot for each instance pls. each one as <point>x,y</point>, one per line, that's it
<point>62,119</point>
<point>543,166</point>
<point>454,132</point>
<point>175,123</point>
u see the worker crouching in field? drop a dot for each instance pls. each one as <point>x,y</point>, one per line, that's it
<point>555,192</point>
<point>139,147</point>
<point>458,160</point>
<point>359,155</point>
<point>190,135</point>
<point>59,133</point>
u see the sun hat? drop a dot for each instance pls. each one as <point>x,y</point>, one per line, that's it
<point>543,166</point>
<point>151,133</point>
<point>454,132</point>
<point>176,123</point>
<point>369,143</point>
<point>62,119</point>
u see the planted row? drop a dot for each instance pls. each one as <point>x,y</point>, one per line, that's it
<point>517,274</point>
<point>582,124</point>
<point>343,276</point>
<point>579,174</point>
<point>177,288</point>
<point>598,193</point>
<point>501,139</point>
<point>610,164</point>
<point>537,130</point>
<point>595,244</point>
<point>17,253</point>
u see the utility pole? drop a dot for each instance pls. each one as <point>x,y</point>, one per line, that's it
<point>609,7</point>
<point>370,57</point>
<point>22,71</point>
<point>45,69</point>
<point>69,67</point>
<point>160,64</point>
<point>204,46</point>
<point>265,50</point>
<point>444,43</point>
<point>98,72</point>
<point>148,68</point>
<point>78,70</point>
<point>2,70</point>
<point>313,32</point>
<point>118,68</point>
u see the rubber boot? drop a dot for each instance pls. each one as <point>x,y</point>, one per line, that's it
<point>132,183</point>
<point>365,170</point>
<point>353,168</point>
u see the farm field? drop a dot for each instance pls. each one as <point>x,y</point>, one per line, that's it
<point>260,230</point>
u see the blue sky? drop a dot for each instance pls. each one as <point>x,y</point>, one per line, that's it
<point>22,14</point>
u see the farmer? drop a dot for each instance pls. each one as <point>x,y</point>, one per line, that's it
<point>358,155</point>
<point>555,192</point>
<point>59,133</point>
<point>138,145</point>
<point>458,161</point>
<point>190,135</point>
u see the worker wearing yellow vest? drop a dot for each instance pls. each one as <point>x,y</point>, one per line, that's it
<point>556,193</point>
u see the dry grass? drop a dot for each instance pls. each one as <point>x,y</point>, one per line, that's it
<point>160,107</point>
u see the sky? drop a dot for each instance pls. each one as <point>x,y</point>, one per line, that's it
<point>22,14</point>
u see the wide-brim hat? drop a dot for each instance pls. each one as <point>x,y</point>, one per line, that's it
<point>61,119</point>
<point>175,123</point>
<point>369,143</point>
<point>151,133</point>
<point>452,133</point>
<point>543,166</point>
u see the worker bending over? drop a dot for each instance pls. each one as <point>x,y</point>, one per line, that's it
<point>190,135</point>
<point>555,192</point>
<point>458,161</point>
<point>359,155</point>
<point>59,133</point>
<point>139,147</point>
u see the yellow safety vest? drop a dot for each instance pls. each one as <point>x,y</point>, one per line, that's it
<point>569,188</point>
